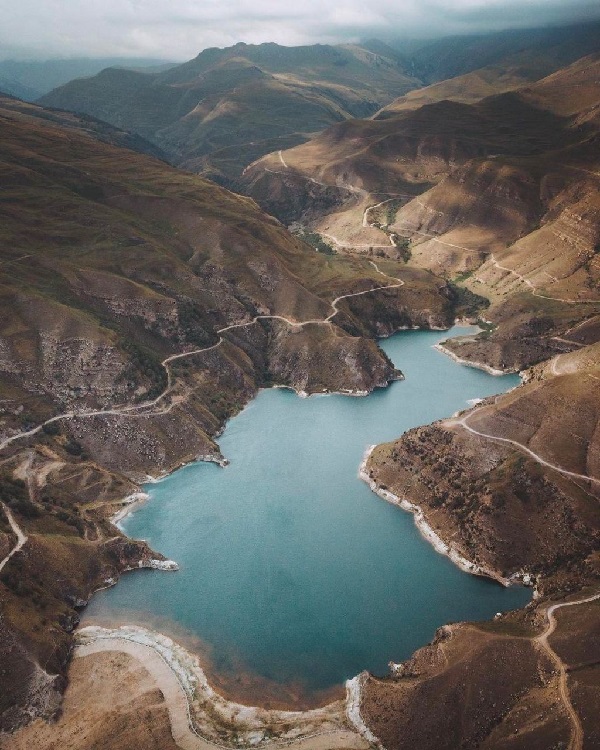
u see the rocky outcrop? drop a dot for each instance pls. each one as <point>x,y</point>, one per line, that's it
<point>322,361</point>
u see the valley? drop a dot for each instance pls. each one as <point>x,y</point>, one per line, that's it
<point>146,312</point>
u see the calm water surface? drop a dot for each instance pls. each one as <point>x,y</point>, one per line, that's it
<point>290,566</point>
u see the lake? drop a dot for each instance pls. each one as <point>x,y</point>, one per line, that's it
<point>292,570</point>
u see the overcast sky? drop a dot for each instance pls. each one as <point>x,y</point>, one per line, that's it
<point>179,29</point>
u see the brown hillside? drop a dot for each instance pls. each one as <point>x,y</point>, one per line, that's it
<point>111,262</point>
<point>490,684</point>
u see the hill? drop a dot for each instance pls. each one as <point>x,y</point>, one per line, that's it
<point>501,195</point>
<point>226,107</point>
<point>542,49</point>
<point>31,79</point>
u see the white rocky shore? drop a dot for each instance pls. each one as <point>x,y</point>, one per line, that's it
<point>427,532</point>
<point>468,363</point>
<point>128,505</point>
<point>353,700</point>
<point>203,719</point>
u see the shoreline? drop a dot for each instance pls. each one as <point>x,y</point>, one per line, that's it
<point>201,718</point>
<point>135,500</point>
<point>468,363</point>
<point>426,531</point>
<point>353,701</point>
<point>129,504</point>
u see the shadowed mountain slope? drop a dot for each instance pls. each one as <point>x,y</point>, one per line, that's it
<point>226,107</point>
<point>543,49</point>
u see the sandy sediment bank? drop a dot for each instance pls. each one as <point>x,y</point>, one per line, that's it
<point>426,531</point>
<point>201,718</point>
<point>468,363</point>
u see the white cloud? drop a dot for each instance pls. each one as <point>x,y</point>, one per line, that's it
<point>179,29</point>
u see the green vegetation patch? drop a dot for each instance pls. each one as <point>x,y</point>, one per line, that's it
<point>314,239</point>
<point>466,302</point>
<point>14,493</point>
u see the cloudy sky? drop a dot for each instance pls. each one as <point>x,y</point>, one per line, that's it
<point>179,29</point>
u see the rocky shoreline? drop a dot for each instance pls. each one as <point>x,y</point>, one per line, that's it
<point>469,363</point>
<point>425,529</point>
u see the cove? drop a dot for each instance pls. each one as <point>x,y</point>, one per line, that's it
<point>291,569</point>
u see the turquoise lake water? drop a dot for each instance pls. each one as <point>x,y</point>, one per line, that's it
<point>291,568</point>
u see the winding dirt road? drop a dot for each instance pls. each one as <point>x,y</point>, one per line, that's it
<point>463,422</point>
<point>576,741</point>
<point>281,159</point>
<point>534,290</point>
<point>21,538</point>
<point>142,410</point>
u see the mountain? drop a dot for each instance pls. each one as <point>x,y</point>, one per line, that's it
<point>227,107</point>
<point>468,88</point>
<point>34,78</point>
<point>470,68</point>
<point>12,87</point>
<point>501,195</point>
<point>140,307</point>
<point>542,49</point>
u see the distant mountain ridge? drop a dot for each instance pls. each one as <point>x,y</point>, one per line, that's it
<point>224,109</point>
<point>227,107</point>
<point>33,78</point>
<point>546,48</point>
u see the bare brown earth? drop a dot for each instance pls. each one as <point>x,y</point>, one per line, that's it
<point>468,88</point>
<point>489,687</point>
<point>112,703</point>
<point>136,679</point>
